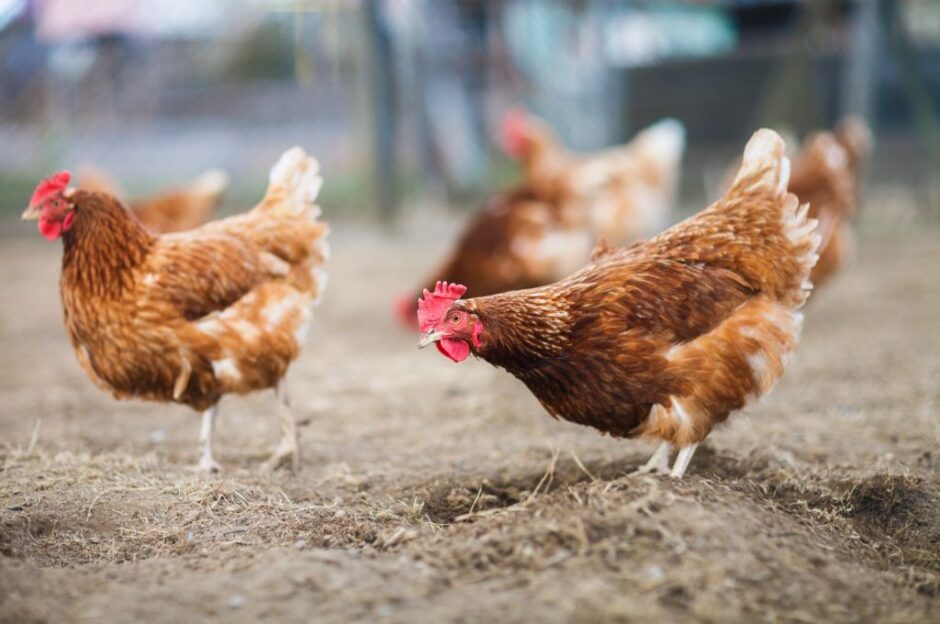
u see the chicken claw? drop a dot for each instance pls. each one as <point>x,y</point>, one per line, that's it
<point>288,449</point>
<point>682,460</point>
<point>207,464</point>
<point>659,462</point>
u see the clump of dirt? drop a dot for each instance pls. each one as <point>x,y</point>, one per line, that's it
<point>894,518</point>
<point>899,514</point>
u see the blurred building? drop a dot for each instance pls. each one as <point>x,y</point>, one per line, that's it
<point>402,96</point>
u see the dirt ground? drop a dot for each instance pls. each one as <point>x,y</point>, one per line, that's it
<point>437,492</point>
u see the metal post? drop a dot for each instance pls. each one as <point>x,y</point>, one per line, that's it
<point>381,108</point>
<point>860,60</point>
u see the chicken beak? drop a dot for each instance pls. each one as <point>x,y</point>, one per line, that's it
<point>429,337</point>
<point>31,214</point>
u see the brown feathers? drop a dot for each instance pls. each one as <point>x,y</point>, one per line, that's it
<point>827,177</point>
<point>545,228</point>
<point>188,317</point>
<point>172,210</point>
<point>665,338</point>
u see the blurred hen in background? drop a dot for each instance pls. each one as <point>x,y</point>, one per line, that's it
<point>826,175</point>
<point>544,228</point>
<point>171,210</point>
<point>625,192</point>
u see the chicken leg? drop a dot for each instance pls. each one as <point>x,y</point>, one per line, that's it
<point>288,449</point>
<point>682,460</point>
<point>659,462</point>
<point>207,463</point>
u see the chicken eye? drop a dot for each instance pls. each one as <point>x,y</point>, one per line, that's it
<point>455,318</point>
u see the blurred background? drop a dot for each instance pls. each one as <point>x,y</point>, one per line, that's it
<point>401,99</point>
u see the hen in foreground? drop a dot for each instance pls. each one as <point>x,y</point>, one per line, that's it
<point>663,339</point>
<point>192,316</point>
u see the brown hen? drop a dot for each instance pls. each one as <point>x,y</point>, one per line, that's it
<point>827,176</point>
<point>663,339</point>
<point>191,316</point>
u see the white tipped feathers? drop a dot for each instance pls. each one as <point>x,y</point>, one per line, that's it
<point>764,157</point>
<point>213,182</point>
<point>664,141</point>
<point>297,175</point>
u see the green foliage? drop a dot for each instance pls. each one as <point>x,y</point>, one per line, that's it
<point>15,191</point>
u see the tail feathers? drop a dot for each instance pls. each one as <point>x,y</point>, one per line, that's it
<point>212,184</point>
<point>91,178</point>
<point>285,222</point>
<point>664,142</point>
<point>805,240</point>
<point>765,164</point>
<point>294,183</point>
<point>766,170</point>
<point>776,242</point>
<point>652,157</point>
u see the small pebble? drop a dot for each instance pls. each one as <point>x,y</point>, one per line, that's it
<point>237,601</point>
<point>299,544</point>
<point>157,436</point>
<point>655,573</point>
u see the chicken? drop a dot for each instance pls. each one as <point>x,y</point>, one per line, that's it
<point>191,316</point>
<point>96,179</point>
<point>538,149</point>
<point>821,178</point>
<point>627,191</point>
<point>172,210</point>
<point>827,176</point>
<point>853,133</point>
<point>544,229</point>
<point>662,339</point>
<point>516,241</point>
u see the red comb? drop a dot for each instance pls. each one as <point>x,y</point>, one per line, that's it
<point>514,129</point>
<point>433,306</point>
<point>405,309</point>
<point>56,183</point>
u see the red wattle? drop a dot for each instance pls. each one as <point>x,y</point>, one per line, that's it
<point>50,229</point>
<point>457,350</point>
<point>477,332</point>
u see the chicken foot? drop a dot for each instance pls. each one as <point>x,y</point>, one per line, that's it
<point>288,449</point>
<point>207,463</point>
<point>659,462</point>
<point>682,460</point>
